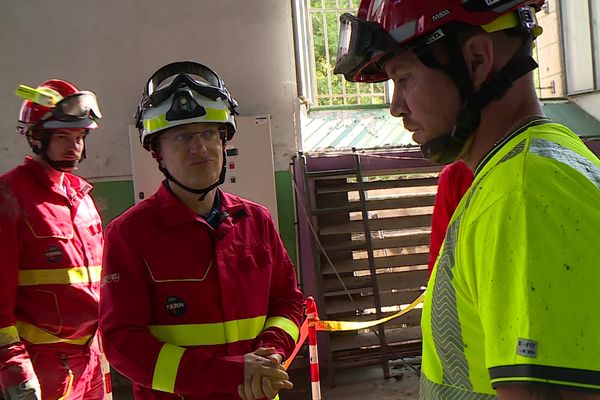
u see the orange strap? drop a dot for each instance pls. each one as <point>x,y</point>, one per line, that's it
<point>301,339</point>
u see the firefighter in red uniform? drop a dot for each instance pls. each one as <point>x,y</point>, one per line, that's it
<point>454,181</point>
<point>199,297</point>
<point>51,246</point>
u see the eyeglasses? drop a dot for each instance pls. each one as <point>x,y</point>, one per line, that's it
<point>184,138</point>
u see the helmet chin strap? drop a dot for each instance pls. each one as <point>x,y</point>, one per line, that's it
<point>202,192</point>
<point>61,166</point>
<point>447,148</point>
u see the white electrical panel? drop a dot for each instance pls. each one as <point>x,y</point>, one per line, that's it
<point>250,170</point>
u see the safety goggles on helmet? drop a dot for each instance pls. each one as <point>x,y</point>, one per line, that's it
<point>359,42</point>
<point>183,93</point>
<point>79,110</point>
<point>172,77</point>
<point>77,106</point>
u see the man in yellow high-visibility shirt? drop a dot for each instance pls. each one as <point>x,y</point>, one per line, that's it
<point>511,307</point>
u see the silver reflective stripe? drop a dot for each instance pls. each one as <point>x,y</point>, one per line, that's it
<point>564,155</point>
<point>403,32</point>
<point>434,391</point>
<point>445,325</point>
<point>518,149</point>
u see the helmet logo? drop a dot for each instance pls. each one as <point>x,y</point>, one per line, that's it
<point>491,2</point>
<point>435,36</point>
<point>440,15</point>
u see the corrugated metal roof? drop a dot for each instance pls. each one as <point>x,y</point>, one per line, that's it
<point>573,116</point>
<point>337,130</point>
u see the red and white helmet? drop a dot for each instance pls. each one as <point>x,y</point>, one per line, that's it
<point>382,27</point>
<point>56,104</point>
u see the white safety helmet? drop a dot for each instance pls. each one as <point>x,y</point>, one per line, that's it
<point>183,93</point>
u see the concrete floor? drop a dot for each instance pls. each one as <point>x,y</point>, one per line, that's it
<point>366,383</point>
<point>405,388</point>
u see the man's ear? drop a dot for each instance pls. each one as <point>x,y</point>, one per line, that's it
<point>156,155</point>
<point>155,151</point>
<point>478,51</point>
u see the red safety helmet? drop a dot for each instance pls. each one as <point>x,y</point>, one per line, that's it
<point>382,27</point>
<point>56,104</point>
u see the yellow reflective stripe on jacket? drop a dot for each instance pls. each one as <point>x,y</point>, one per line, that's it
<point>9,335</point>
<point>35,335</point>
<point>28,277</point>
<point>209,334</point>
<point>165,370</point>
<point>285,324</point>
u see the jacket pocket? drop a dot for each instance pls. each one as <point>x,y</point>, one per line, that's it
<point>254,258</point>
<point>45,310</point>
<point>179,269</point>
<point>45,228</point>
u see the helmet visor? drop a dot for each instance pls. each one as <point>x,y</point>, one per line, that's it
<point>359,43</point>
<point>78,106</point>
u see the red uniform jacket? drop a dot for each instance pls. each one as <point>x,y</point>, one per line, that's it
<point>182,303</point>
<point>51,247</point>
<point>454,181</point>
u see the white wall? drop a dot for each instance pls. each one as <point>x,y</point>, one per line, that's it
<point>589,102</point>
<point>112,46</point>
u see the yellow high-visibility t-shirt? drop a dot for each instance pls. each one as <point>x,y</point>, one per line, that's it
<point>515,293</point>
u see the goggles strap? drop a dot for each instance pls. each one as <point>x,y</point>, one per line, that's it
<point>456,69</point>
<point>459,72</point>
<point>202,192</point>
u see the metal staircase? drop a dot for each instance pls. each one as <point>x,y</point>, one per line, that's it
<point>364,226</point>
